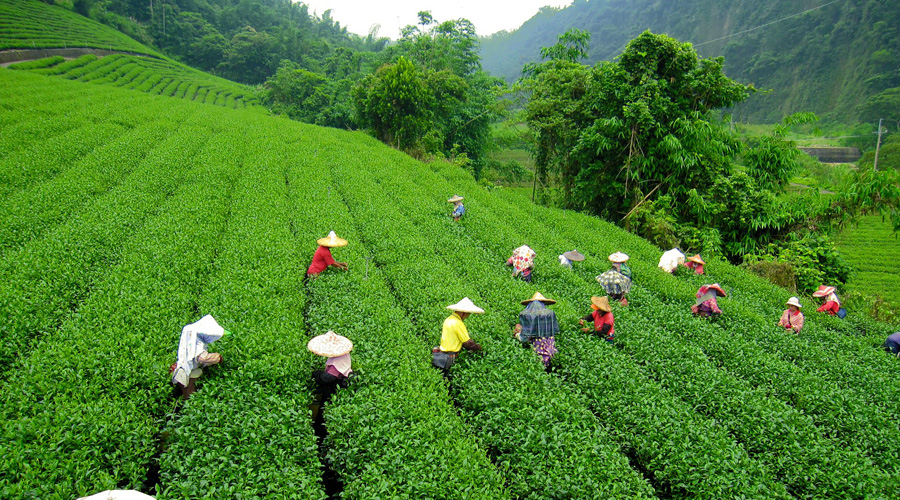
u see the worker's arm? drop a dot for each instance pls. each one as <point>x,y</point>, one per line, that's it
<point>604,330</point>
<point>471,345</point>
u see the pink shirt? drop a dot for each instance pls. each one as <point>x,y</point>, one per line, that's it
<point>338,366</point>
<point>793,321</point>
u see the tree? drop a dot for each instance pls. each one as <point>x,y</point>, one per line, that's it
<point>624,131</point>
<point>395,104</point>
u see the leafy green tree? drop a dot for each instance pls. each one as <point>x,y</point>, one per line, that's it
<point>251,56</point>
<point>624,131</point>
<point>772,160</point>
<point>395,104</point>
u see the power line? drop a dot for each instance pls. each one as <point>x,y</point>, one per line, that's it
<point>767,24</point>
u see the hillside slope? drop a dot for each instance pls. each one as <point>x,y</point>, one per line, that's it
<point>30,24</point>
<point>814,55</point>
<point>136,215</point>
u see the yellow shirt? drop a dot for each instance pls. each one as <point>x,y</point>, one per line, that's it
<point>453,334</point>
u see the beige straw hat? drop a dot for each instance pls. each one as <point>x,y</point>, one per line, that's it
<point>465,305</point>
<point>330,345</point>
<point>540,298</point>
<point>697,259</point>
<point>331,241</point>
<point>618,257</point>
<point>602,303</point>
<point>573,255</point>
<point>793,301</point>
<point>455,198</point>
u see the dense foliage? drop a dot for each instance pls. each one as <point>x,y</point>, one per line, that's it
<point>244,41</point>
<point>432,98</point>
<point>636,141</point>
<point>837,59</point>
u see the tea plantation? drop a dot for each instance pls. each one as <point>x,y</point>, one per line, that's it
<point>126,215</point>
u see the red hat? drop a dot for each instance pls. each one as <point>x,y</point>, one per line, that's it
<point>823,291</point>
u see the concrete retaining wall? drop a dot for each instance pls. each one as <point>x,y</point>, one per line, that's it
<point>833,155</point>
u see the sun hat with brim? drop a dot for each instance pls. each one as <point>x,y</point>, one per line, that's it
<point>330,345</point>
<point>540,298</point>
<point>618,257</point>
<point>602,303</point>
<point>716,287</point>
<point>823,291</point>
<point>465,305</point>
<point>573,256</point>
<point>793,301</point>
<point>455,198</point>
<point>697,259</point>
<point>331,241</point>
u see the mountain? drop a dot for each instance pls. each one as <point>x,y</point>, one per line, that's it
<point>808,55</point>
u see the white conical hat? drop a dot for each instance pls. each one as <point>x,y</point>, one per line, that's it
<point>465,305</point>
<point>118,495</point>
<point>330,345</point>
<point>331,241</point>
<point>618,257</point>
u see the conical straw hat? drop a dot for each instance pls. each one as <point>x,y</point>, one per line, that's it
<point>823,291</point>
<point>697,259</point>
<point>573,255</point>
<point>540,298</point>
<point>331,241</point>
<point>618,257</point>
<point>602,303</point>
<point>465,305</point>
<point>455,198</point>
<point>330,345</point>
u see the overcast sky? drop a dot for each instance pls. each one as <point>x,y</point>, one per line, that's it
<point>488,16</point>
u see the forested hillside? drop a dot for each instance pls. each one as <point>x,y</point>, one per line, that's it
<point>833,59</point>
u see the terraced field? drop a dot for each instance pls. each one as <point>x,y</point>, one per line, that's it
<point>126,216</point>
<point>28,24</point>
<point>31,24</point>
<point>874,250</point>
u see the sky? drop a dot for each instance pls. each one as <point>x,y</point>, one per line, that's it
<point>488,16</point>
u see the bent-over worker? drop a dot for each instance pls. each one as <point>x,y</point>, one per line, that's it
<point>455,335</point>
<point>192,353</point>
<point>337,367</point>
<point>458,209</point>
<point>670,260</point>
<point>522,261</point>
<point>792,318</point>
<point>706,304</point>
<point>892,344</point>
<point>567,258</point>
<point>831,303</point>
<point>602,316</point>
<point>538,326</point>
<point>696,263</point>
<point>617,281</point>
<point>322,258</point>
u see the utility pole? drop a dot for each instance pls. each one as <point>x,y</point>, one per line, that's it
<point>877,147</point>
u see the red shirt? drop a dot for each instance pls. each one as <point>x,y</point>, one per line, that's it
<point>831,307</point>
<point>321,260</point>
<point>601,319</point>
